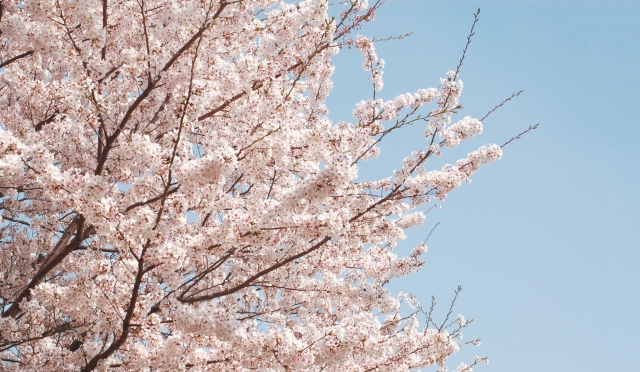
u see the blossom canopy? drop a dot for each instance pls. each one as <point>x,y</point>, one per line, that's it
<point>174,196</point>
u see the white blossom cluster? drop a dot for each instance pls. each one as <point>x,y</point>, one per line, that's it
<point>174,197</point>
<point>462,130</point>
<point>371,61</point>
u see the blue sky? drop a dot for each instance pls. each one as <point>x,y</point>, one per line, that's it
<point>546,241</point>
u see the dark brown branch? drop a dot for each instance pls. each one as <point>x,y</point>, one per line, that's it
<point>10,360</point>
<point>109,72</point>
<point>453,303</point>
<point>177,139</point>
<point>223,106</point>
<point>430,232</point>
<point>152,200</point>
<point>235,183</point>
<point>399,37</point>
<point>206,218</point>
<point>273,181</point>
<point>155,117</point>
<point>195,280</point>
<point>251,280</point>
<point>59,252</point>
<point>10,60</point>
<point>69,31</point>
<point>247,190</point>
<point>146,39</point>
<point>189,365</point>
<point>104,250</point>
<point>195,37</point>
<point>64,327</point>
<point>48,120</point>
<point>126,323</point>
<point>16,221</point>
<point>105,16</point>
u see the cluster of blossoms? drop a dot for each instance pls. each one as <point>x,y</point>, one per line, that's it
<point>371,61</point>
<point>174,197</point>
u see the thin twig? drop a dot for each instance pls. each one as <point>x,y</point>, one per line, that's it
<point>450,308</point>
<point>501,103</point>
<point>531,127</point>
<point>399,37</point>
<point>464,51</point>
<point>425,241</point>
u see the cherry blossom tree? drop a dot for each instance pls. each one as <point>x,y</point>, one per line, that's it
<point>174,196</point>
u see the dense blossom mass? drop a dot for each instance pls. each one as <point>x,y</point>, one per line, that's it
<point>174,196</point>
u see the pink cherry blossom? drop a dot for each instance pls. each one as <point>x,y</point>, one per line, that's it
<point>174,196</point>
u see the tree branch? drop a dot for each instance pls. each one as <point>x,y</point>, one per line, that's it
<point>11,60</point>
<point>253,278</point>
<point>152,200</point>
<point>59,252</point>
<point>126,323</point>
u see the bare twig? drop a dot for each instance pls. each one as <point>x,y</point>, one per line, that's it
<point>531,127</point>
<point>501,103</point>
<point>399,37</point>
<point>425,241</point>
<point>453,302</point>
<point>464,51</point>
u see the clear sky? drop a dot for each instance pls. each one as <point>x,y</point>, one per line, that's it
<point>546,241</point>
